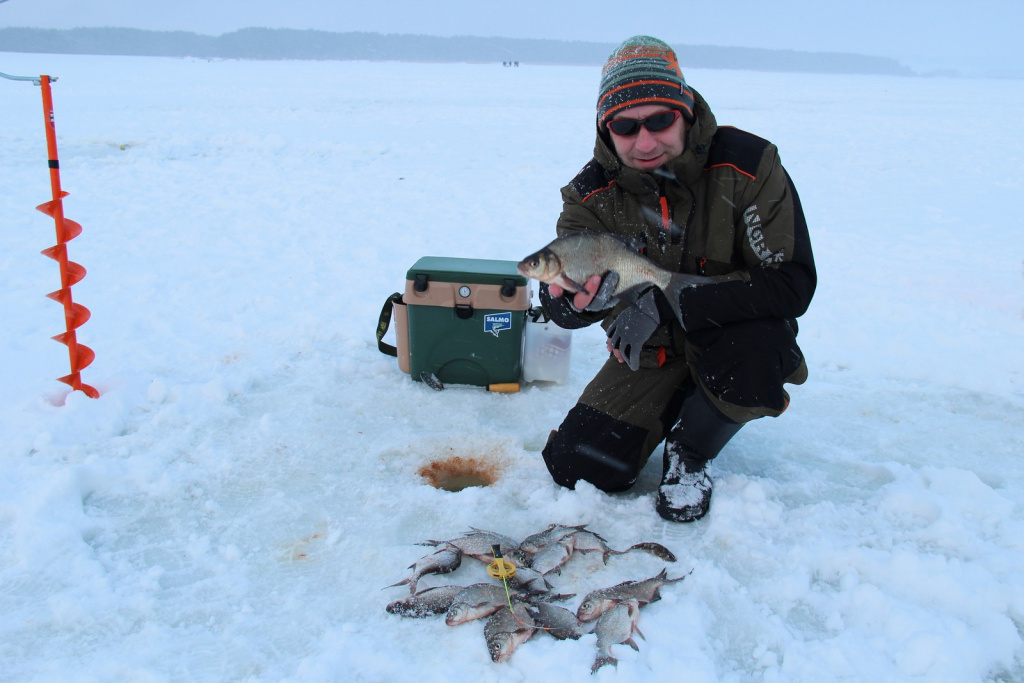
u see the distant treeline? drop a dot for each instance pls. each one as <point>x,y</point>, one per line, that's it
<point>262,43</point>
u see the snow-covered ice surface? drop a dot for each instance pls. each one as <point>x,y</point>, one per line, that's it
<point>234,503</point>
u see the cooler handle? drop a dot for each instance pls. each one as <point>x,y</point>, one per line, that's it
<point>384,322</point>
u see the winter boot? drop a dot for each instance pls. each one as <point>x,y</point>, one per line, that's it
<point>698,436</point>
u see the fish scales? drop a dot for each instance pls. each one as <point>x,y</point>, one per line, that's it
<point>529,580</point>
<point>570,260</point>
<point>475,602</point>
<point>644,592</point>
<point>535,542</point>
<point>426,603</point>
<point>507,629</point>
<point>552,556</point>
<point>442,561</point>
<point>478,544</point>
<point>558,622</point>
<point>587,541</point>
<point>615,627</point>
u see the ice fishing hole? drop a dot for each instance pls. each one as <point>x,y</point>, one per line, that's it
<point>457,473</point>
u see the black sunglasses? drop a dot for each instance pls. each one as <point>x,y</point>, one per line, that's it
<point>660,121</point>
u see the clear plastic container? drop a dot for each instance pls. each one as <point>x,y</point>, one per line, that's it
<point>547,349</point>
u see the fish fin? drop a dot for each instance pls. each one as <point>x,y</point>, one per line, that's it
<point>676,284</point>
<point>568,284</point>
<point>636,630</point>
<point>400,583</point>
<point>632,644</point>
<point>602,661</point>
<point>656,549</point>
<point>678,578</point>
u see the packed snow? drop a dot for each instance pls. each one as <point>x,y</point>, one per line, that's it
<point>236,502</point>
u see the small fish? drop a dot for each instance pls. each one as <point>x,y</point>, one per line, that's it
<point>530,581</point>
<point>507,629</point>
<point>534,542</point>
<point>475,602</point>
<point>616,626</point>
<point>558,622</point>
<point>477,544</point>
<point>570,260</point>
<point>551,557</point>
<point>426,603</point>
<point>442,561</point>
<point>644,592</point>
<point>588,541</point>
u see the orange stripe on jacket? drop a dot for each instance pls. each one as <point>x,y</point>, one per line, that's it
<point>600,189</point>
<point>738,170</point>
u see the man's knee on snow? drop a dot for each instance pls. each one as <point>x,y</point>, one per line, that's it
<point>743,366</point>
<point>596,448</point>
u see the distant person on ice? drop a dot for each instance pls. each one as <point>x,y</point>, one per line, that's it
<point>695,198</point>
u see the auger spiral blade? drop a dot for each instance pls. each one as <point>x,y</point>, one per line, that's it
<point>75,315</point>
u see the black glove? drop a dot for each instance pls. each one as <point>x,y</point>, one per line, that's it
<point>633,327</point>
<point>605,297</point>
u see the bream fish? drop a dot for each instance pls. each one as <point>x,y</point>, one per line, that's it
<point>530,581</point>
<point>558,622</point>
<point>644,592</point>
<point>534,542</point>
<point>552,556</point>
<point>507,629</point>
<point>570,260</point>
<point>478,543</point>
<point>442,561</point>
<point>426,603</point>
<point>475,602</point>
<point>588,541</point>
<point>616,626</point>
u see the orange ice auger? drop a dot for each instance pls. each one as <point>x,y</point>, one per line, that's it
<point>75,315</point>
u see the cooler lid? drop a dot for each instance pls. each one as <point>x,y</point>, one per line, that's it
<point>479,271</point>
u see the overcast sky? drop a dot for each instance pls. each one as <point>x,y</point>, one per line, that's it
<point>923,34</point>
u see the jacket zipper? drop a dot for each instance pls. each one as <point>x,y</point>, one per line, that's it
<point>678,233</point>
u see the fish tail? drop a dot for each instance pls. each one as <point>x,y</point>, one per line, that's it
<point>678,578</point>
<point>603,660</point>
<point>674,289</point>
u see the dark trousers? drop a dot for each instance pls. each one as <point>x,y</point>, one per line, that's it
<point>623,414</point>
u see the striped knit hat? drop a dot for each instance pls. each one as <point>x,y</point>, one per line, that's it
<point>642,70</point>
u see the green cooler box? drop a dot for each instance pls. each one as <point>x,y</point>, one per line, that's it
<point>466,320</point>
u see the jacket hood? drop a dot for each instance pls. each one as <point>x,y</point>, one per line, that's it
<point>686,167</point>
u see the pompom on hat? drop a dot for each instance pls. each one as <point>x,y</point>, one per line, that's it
<point>642,70</point>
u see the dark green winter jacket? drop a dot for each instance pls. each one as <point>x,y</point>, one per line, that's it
<point>725,208</point>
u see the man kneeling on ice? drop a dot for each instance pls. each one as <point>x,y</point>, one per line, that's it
<point>698,199</point>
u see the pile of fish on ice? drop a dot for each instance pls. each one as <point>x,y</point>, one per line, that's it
<point>517,611</point>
